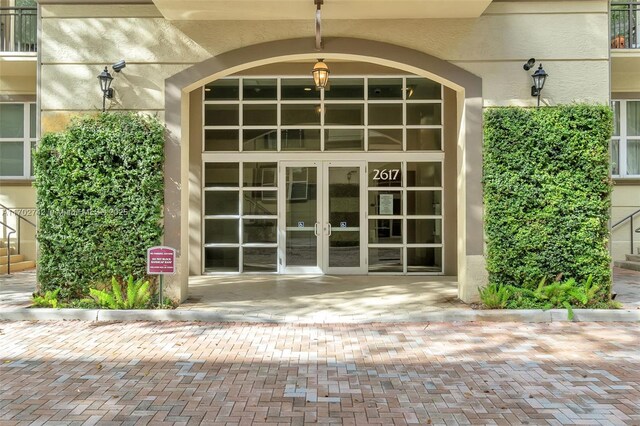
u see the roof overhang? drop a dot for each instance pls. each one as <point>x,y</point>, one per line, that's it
<point>242,10</point>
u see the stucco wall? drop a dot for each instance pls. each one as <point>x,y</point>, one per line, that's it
<point>77,41</point>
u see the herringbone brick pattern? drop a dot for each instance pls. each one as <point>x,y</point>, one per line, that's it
<point>393,374</point>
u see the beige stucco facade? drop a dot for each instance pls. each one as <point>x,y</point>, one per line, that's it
<point>489,42</point>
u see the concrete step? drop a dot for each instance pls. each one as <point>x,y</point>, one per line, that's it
<point>3,252</point>
<point>15,258</point>
<point>634,266</point>
<point>19,266</point>
<point>633,257</point>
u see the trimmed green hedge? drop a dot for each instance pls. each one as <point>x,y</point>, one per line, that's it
<point>547,193</point>
<point>100,189</point>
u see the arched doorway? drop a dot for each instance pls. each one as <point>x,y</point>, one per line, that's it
<point>182,177</point>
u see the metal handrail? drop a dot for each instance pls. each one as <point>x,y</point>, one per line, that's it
<point>21,218</point>
<point>18,29</point>
<point>630,219</point>
<point>11,231</point>
<point>625,24</point>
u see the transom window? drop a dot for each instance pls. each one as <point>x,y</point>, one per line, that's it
<point>17,139</point>
<point>352,114</point>
<point>625,143</point>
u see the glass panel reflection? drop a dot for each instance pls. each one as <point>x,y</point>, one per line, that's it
<point>424,259</point>
<point>424,139</point>
<point>424,174</point>
<point>421,88</point>
<point>260,203</point>
<point>221,231</point>
<point>385,88</point>
<point>385,140</point>
<point>424,202</point>
<point>300,139</point>
<point>302,248</point>
<point>344,140</point>
<point>221,115</point>
<point>385,114</point>
<point>344,115</point>
<point>424,231</point>
<point>259,140</point>
<point>345,88</point>
<point>221,174</point>
<point>221,140</point>
<point>301,216</point>
<point>300,115</point>
<point>344,216</point>
<point>259,115</point>
<point>221,203</point>
<point>222,90</point>
<point>260,174</point>
<point>259,259</point>
<point>221,259</point>
<point>259,89</point>
<point>424,114</point>
<point>299,88</point>
<point>385,231</point>
<point>260,231</point>
<point>385,175</point>
<point>385,259</point>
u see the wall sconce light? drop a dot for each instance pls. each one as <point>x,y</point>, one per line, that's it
<point>106,79</point>
<point>320,74</point>
<point>539,78</point>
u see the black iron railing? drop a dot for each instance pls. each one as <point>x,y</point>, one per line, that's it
<point>632,230</point>
<point>18,29</point>
<point>9,231</point>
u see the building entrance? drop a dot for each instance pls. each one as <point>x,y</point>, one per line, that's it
<point>323,214</point>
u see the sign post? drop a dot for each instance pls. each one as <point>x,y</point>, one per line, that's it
<point>161,261</point>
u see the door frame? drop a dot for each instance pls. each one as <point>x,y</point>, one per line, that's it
<point>326,226</point>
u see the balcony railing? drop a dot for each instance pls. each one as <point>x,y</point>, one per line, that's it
<point>18,29</point>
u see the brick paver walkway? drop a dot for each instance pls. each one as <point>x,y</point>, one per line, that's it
<point>392,374</point>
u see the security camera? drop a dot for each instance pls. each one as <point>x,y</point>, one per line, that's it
<point>119,66</point>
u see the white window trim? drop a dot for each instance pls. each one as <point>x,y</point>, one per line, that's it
<point>26,139</point>
<point>622,139</point>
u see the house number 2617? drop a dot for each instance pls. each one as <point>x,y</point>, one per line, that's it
<point>385,174</point>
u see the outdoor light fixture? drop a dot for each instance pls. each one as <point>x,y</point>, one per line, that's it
<point>539,78</point>
<point>320,74</point>
<point>105,85</point>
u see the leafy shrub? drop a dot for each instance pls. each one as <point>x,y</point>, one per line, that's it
<point>495,296</point>
<point>48,300</point>
<point>547,194</point>
<point>137,295</point>
<point>100,189</point>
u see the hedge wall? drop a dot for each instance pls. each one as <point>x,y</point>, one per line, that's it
<point>99,195</point>
<point>547,193</point>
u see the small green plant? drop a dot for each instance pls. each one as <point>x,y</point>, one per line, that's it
<point>495,296</point>
<point>48,300</point>
<point>137,295</point>
<point>568,294</point>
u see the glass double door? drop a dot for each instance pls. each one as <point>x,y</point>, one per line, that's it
<point>322,217</point>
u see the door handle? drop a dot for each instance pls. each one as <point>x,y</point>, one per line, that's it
<point>315,229</point>
<point>329,228</point>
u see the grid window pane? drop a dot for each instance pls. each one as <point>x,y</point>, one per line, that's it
<point>221,140</point>
<point>385,140</point>
<point>385,114</point>
<point>633,157</point>
<point>385,88</point>
<point>344,115</point>
<point>424,114</point>
<point>427,203</point>
<point>221,174</point>
<point>298,88</point>
<point>424,259</point>
<point>221,203</point>
<point>385,231</point>
<point>345,88</point>
<point>633,118</point>
<point>260,89</point>
<point>221,259</point>
<point>385,259</point>
<point>259,259</point>
<point>259,140</point>
<point>11,158</point>
<point>32,117</point>
<point>300,139</point>
<point>221,231</point>
<point>616,117</point>
<point>615,157</point>
<point>221,115</point>
<point>424,231</point>
<point>385,203</point>
<point>260,174</point>
<point>424,139</point>
<point>260,231</point>
<point>260,203</point>
<point>300,115</point>
<point>424,174</point>
<point>11,120</point>
<point>385,175</point>
<point>344,140</point>
<point>260,115</point>
<point>222,90</point>
<point>422,88</point>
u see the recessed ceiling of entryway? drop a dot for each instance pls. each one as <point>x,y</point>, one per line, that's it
<point>332,9</point>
